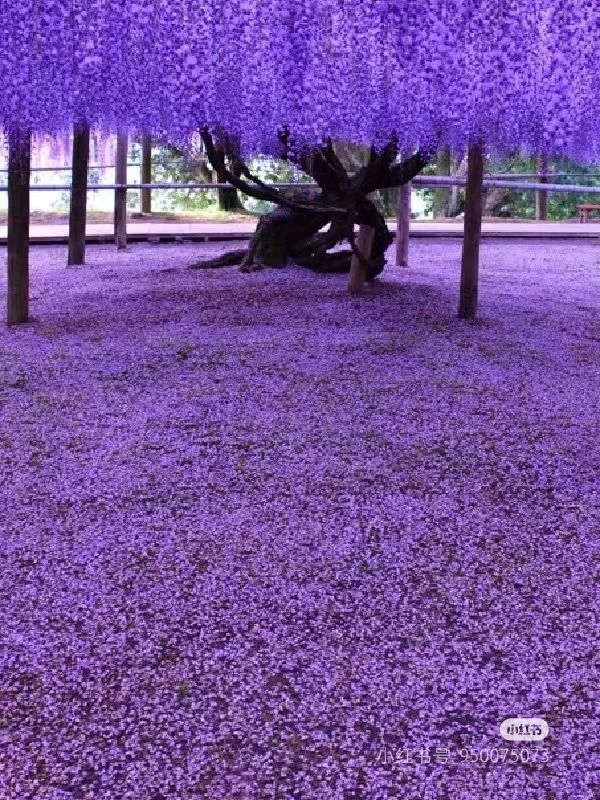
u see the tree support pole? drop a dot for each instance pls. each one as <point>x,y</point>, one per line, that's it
<point>403,224</point>
<point>19,163</point>
<point>358,273</point>
<point>146,194</point>
<point>121,194</point>
<point>469,278</point>
<point>78,209</point>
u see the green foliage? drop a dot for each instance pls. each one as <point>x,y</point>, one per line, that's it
<point>427,196</point>
<point>271,170</point>
<point>173,166</point>
<point>170,165</point>
<point>521,204</point>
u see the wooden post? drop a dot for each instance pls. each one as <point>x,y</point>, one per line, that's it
<point>146,194</point>
<point>79,179</point>
<point>541,197</point>
<point>19,163</point>
<point>121,194</point>
<point>364,243</point>
<point>403,224</point>
<point>469,278</point>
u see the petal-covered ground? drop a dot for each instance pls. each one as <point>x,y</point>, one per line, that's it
<point>262,540</point>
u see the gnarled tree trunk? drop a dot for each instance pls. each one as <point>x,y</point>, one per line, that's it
<point>307,228</point>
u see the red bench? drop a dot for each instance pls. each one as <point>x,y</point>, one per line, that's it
<point>585,209</point>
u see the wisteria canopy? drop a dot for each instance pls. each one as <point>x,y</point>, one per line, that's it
<point>521,74</point>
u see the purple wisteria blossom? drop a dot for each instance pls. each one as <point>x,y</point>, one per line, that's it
<point>258,535</point>
<point>520,73</point>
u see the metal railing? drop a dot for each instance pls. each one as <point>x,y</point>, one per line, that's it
<point>98,167</point>
<point>427,181</point>
<point>491,175</point>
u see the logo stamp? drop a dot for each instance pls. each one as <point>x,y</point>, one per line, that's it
<point>524,729</point>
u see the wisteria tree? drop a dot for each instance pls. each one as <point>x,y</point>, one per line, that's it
<point>275,546</point>
<point>518,75</point>
<point>291,77</point>
<point>295,229</point>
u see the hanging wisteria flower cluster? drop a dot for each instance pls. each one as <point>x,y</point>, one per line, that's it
<point>523,74</point>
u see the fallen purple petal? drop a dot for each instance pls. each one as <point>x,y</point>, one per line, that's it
<point>255,531</point>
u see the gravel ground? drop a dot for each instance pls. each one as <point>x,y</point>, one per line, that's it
<point>262,540</point>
